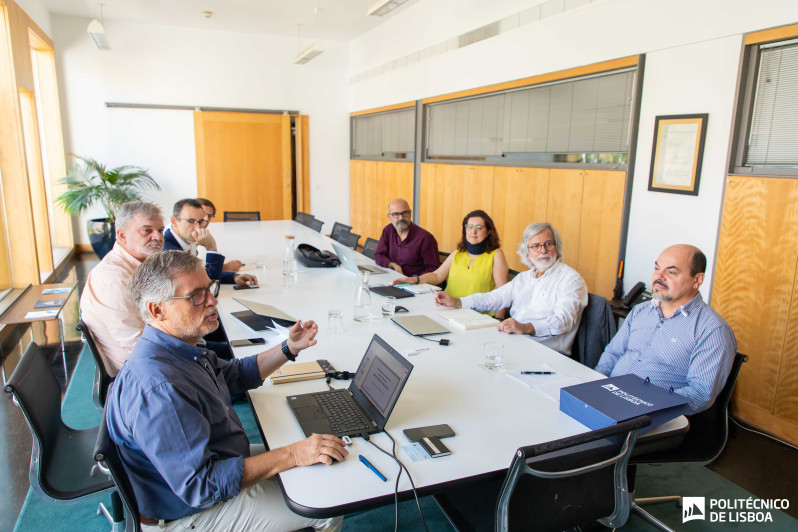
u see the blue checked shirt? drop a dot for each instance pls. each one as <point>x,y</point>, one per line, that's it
<point>170,415</point>
<point>692,351</point>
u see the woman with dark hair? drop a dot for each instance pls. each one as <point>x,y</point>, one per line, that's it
<point>477,265</point>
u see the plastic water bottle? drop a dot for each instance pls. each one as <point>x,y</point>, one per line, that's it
<point>362,307</point>
<point>289,264</point>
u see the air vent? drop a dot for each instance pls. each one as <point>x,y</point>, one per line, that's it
<point>480,34</point>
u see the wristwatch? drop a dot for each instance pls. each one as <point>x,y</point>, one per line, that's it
<point>418,279</point>
<point>287,352</point>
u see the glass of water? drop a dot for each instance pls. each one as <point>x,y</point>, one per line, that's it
<point>494,353</point>
<point>388,307</point>
<point>335,321</point>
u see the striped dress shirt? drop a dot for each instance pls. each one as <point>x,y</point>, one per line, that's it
<point>692,351</point>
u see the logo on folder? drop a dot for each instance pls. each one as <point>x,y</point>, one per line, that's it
<point>610,387</point>
<point>693,508</point>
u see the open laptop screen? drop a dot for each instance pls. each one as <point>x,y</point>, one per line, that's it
<point>380,378</point>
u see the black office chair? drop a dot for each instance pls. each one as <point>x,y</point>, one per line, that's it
<point>316,225</point>
<point>596,329</point>
<point>347,239</point>
<point>102,380</point>
<point>241,216</point>
<point>339,227</point>
<point>370,247</point>
<point>553,485</point>
<point>124,509</point>
<point>304,218</point>
<point>703,443</point>
<point>62,467</point>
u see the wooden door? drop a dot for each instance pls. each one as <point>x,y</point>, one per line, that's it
<point>244,162</point>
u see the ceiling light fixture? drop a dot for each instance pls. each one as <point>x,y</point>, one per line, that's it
<point>97,32</point>
<point>380,8</point>
<point>314,49</point>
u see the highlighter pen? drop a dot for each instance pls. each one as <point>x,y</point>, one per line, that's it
<point>537,373</point>
<point>368,464</point>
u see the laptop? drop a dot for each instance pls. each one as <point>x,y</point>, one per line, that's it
<point>365,406</point>
<point>420,325</point>
<point>347,256</point>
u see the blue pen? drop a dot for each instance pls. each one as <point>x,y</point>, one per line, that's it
<point>368,464</point>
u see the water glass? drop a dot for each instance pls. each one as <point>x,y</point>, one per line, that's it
<point>260,262</point>
<point>388,307</point>
<point>494,353</point>
<point>335,321</point>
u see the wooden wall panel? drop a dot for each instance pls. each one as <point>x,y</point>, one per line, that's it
<point>786,400</point>
<point>520,197</point>
<point>754,278</point>
<point>302,141</point>
<point>431,215</point>
<point>360,200</point>
<point>565,208</point>
<point>395,180</point>
<point>600,230</point>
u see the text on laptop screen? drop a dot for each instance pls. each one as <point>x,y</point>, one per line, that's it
<point>379,377</point>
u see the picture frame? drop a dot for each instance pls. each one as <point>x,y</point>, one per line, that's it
<point>677,153</point>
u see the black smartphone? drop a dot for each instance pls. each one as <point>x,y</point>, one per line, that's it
<point>433,431</point>
<point>247,341</point>
<point>245,286</point>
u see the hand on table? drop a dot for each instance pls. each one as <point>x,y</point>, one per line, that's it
<point>318,449</point>
<point>510,326</point>
<point>245,279</point>
<point>442,299</point>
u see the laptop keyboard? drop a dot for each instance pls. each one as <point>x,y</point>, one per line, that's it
<point>344,418</point>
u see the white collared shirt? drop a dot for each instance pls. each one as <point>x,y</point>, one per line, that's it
<point>552,303</point>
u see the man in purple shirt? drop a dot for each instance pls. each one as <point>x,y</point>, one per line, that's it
<point>404,246</point>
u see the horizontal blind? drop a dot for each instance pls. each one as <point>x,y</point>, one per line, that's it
<point>773,138</point>
<point>384,133</point>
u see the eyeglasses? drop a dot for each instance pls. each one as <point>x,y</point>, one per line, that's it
<point>399,214</point>
<point>192,221</point>
<point>536,247</point>
<point>198,297</point>
<point>472,226</point>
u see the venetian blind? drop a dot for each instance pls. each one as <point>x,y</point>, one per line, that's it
<point>384,134</point>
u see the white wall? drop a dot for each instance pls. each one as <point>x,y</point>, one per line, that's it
<point>693,49</point>
<point>37,11</point>
<point>169,65</point>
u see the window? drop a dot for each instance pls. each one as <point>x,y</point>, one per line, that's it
<point>388,135</point>
<point>586,120</point>
<point>769,117</point>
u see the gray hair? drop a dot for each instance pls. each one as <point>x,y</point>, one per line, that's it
<point>130,209</point>
<point>532,230</point>
<point>155,280</point>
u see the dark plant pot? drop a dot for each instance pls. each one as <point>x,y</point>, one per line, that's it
<point>102,235</point>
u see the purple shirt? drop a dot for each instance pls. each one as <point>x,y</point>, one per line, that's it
<point>416,254</point>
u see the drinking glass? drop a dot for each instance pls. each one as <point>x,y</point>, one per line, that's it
<point>335,321</point>
<point>494,353</point>
<point>388,307</point>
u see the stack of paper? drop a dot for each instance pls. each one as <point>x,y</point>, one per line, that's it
<point>466,318</point>
<point>548,385</point>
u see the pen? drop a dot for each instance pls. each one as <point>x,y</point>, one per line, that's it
<point>368,464</point>
<point>537,373</point>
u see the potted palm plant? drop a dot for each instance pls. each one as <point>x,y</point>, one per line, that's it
<point>91,183</point>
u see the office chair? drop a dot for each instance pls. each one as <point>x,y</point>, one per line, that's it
<point>124,509</point>
<point>370,247</point>
<point>704,442</point>
<point>102,380</point>
<point>304,218</point>
<point>348,239</point>
<point>241,216</point>
<point>62,467</point>
<point>316,225</point>
<point>337,228</point>
<point>596,329</point>
<point>553,485</point>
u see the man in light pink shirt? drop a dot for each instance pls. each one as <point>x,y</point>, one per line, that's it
<point>106,304</point>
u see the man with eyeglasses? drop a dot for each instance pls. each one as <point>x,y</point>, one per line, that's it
<point>210,213</point>
<point>546,301</point>
<point>188,230</point>
<point>169,413</point>
<point>404,246</point>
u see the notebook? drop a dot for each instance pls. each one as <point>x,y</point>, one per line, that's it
<point>365,406</point>
<point>420,325</point>
<point>466,318</point>
<point>347,256</point>
<point>398,293</point>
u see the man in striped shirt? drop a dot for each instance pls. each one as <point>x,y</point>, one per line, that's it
<point>676,340</point>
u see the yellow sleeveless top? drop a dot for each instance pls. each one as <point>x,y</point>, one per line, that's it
<point>464,281</point>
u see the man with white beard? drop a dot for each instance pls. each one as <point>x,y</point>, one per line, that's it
<point>546,301</point>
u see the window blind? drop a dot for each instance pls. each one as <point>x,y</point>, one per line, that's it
<point>384,134</point>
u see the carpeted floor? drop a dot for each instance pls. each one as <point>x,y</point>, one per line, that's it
<point>78,411</point>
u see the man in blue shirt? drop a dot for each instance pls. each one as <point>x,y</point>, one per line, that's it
<point>676,340</point>
<point>170,415</point>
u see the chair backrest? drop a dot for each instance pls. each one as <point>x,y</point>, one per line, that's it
<point>102,380</point>
<point>107,455</point>
<point>596,329</point>
<point>338,227</point>
<point>304,218</point>
<point>348,239</point>
<point>570,481</point>
<point>316,225</point>
<point>241,216</point>
<point>370,247</point>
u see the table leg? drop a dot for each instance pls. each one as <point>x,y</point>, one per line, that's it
<point>63,349</point>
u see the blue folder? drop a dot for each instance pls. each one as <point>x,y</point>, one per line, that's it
<point>606,402</point>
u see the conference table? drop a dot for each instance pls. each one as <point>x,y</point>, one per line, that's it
<point>491,413</point>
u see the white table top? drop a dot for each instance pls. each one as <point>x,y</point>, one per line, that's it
<point>491,414</point>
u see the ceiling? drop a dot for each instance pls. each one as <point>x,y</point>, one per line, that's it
<point>340,20</point>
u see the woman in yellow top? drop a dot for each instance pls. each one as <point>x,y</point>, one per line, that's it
<point>477,265</point>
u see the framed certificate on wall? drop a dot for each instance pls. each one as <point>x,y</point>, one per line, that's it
<point>677,153</point>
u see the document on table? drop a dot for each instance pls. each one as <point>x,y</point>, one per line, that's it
<point>548,385</point>
<point>38,314</point>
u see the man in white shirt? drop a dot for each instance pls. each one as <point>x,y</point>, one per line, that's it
<point>546,301</point>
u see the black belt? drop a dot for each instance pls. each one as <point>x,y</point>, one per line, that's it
<point>151,521</point>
